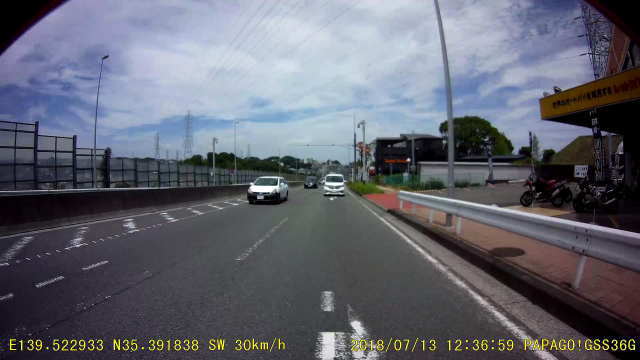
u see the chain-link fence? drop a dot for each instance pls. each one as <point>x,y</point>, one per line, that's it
<point>29,161</point>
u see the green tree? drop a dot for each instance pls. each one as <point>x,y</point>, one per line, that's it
<point>525,150</point>
<point>547,155</point>
<point>473,135</point>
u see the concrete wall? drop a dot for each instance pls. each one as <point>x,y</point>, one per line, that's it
<point>473,172</point>
<point>28,210</point>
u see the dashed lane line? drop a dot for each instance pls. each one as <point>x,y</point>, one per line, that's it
<point>327,301</point>
<point>230,203</point>
<point>6,297</point>
<point>93,266</point>
<point>49,282</point>
<point>266,236</point>
<point>103,221</point>
<point>25,240</point>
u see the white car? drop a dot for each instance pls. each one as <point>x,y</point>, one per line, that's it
<point>268,188</point>
<point>334,184</point>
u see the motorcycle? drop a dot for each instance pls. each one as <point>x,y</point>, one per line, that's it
<point>592,197</point>
<point>557,192</point>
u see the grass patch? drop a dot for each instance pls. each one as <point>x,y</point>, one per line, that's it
<point>364,189</point>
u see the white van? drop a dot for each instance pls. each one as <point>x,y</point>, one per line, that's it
<point>334,184</point>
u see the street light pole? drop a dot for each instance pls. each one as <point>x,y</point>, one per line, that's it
<point>95,126</point>
<point>450,131</point>
<point>214,141</point>
<point>413,154</point>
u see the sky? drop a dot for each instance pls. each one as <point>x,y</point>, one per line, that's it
<point>291,72</point>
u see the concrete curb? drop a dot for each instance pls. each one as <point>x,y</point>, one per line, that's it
<point>579,312</point>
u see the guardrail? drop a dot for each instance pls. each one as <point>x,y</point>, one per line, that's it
<point>614,246</point>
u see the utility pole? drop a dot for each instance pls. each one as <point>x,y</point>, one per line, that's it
<point>214,141</point>
<point>167,154</point>
<point>355,169</point>
<point>364,149</point>
<point>95,126</point>
<point>279,163</point>
<point>450,132</point>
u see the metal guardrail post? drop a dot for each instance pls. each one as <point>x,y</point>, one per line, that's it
<point>430,216</point>
<point>401,204</point>
<point>35,155</point>
<point>135,171</point>
<point>458,225</point>
<point>194,176</point>
<point>106,175</point>
<point>74,163</point>
<point>579,272</point>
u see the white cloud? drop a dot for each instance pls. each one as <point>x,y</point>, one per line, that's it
<point>383,56</point>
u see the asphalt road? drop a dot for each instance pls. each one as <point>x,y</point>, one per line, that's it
<point>311,278</point>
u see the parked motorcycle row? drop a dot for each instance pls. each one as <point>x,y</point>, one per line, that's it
<point>590,196</point>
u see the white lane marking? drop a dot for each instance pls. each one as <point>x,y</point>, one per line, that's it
<point>4,264</point>
<point>130,224</point>
<point>167,217</point>
<point>230,203</point>
<point>196,212</point>
<point>326,346</point>
<point>248,252</point>
<point>101,221</point>
<point>512,327</point>
<point>242,200</point>
<point>49,282</point>
<point>93,266</point>
<point>6,297</point>
<point>326,301</point>
<point>15,248</point>
<point>358,333</point>
<point>79,235</point>
<point>216,207</point>
<point>75,246</point>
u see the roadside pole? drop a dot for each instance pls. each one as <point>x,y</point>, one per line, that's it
<point>214,141</point>
<point>450,134</point>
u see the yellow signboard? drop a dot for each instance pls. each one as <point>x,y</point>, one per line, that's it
<point>618,88</point>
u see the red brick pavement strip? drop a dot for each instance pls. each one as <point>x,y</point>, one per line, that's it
<point>612,287</point>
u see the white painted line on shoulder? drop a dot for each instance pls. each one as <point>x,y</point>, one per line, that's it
<point>49,282</point>
<point>15,248</point>
<point>93,266</point>
<point>327,301</point>
<point>28,259</point>
<point>248,252</point>
<point>216,207</point>
<point>230,203</point>
<point>512,327</point>
<point>4,264</point>
<point>196,212</point>
<point>6,297</point>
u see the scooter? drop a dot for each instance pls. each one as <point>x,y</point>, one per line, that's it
<point>557,192</point>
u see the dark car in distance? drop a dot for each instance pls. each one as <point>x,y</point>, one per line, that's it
<point>311,182</point>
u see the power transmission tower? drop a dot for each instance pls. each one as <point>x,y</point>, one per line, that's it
<point>188,136</point>
<point>598,35</point>
<point>156,146</point>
